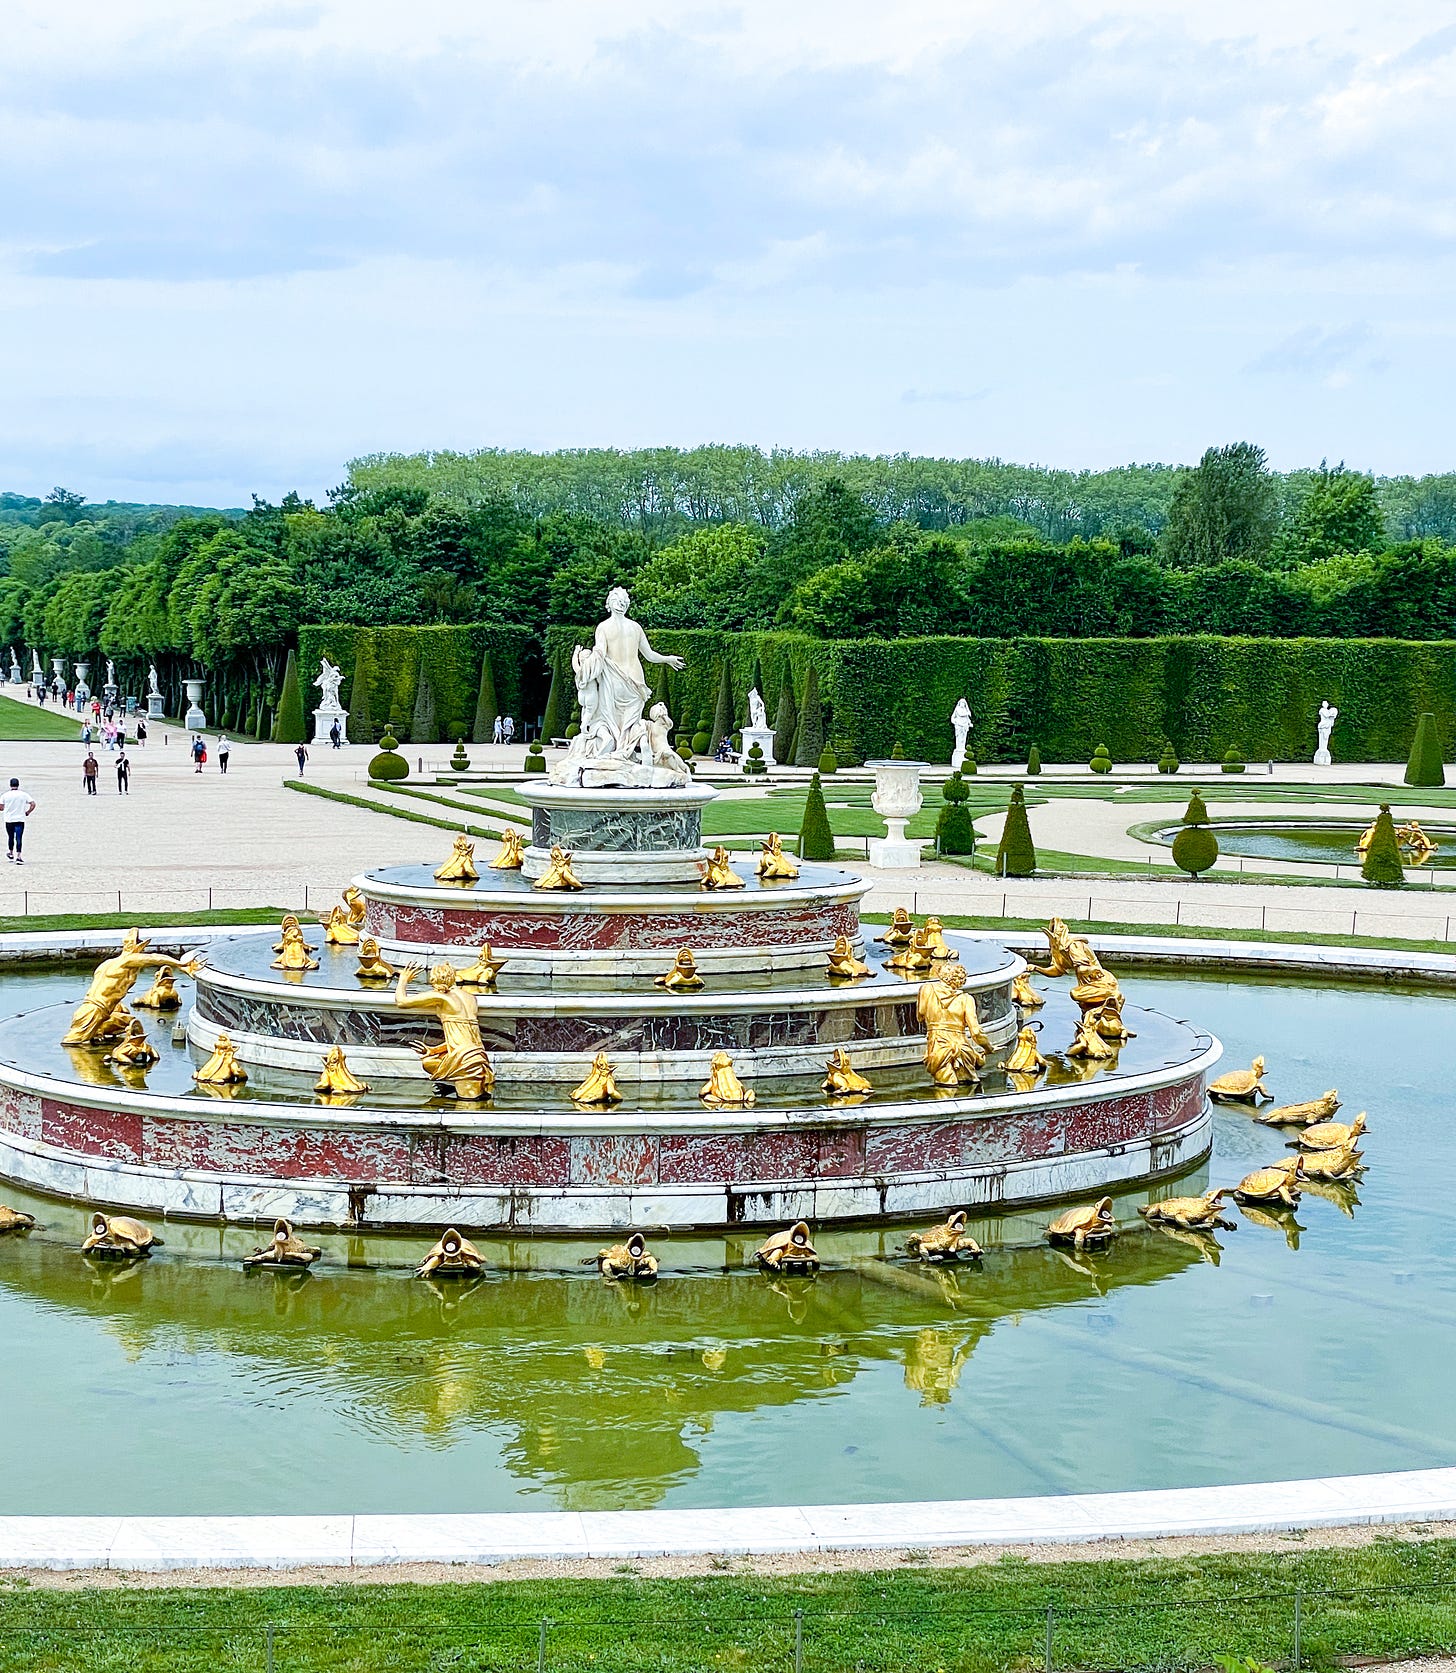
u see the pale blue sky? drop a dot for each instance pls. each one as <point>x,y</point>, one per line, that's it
<point>240,243</point>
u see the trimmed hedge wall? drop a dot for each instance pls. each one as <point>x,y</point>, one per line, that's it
<point>1204,694</point>
<point>393,657</point>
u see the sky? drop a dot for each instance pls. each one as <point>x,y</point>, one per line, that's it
<point>243,243</point>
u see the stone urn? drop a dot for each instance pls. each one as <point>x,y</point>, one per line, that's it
<point>195,720</point>
<point>896,799</point>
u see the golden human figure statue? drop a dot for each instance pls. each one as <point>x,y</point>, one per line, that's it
<point>339,929</point>
<point>600,1085</point>
<point>459,1061</point>
<point>283,1250</point>
<point>955,1043</point>
<point>1025,1059</point>
<point>1365,838</point>
<point>1025,995</point>
<point>772,861</point>
<point>723,1086</point>
<point>1089,1044</point>
<point>293,949</point>
<point>682,976</point>
<point>842,961</point>
<point>162,995</point>
<point>558,873</point>
<point>842,1079</point>
<point>460,867</point>
<point>371,967</point>
<point>900,931</point>
<point>718,872</point>
<point>337,1077</point>
<point>1071,954</point>
<point>101,1015</point>
<point>134,1050</point>
<point>512,854</point>
<point>483,972</point>
<point>453,1256</point>
<point>222,1068</point>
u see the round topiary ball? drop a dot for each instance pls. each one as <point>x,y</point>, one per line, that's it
<point>1232,762</point>
<point>573,730</point>
<point>701,740</point>
<point>1101,761</point>
<point>389,763</point>
<point>1195,848</point>
<point>955,789</point>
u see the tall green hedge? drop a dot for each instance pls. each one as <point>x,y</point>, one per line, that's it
<point>390,660</point>
<point>292,728</point>
<point>1203,694</point>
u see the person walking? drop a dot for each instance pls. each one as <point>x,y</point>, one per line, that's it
<point>199,752</point>
<point>496,734</point>
<point>508,729</point>
<point>301,755</point>
<point>336,735</point>
<point>223,749</point>
<point>141,734</point>
<point>89,770</point>
<point>123,772</point>
<point>17,808</point>
<point>86,734</point>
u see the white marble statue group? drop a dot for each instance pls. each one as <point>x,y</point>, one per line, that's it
<point>618,744</point>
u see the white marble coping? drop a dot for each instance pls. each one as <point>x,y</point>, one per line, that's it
<point>618,1120</point>
<point>25,944</point>
<point>664,798</point>
<point>368,1541</point>
<point>601,899</point>
<point>1270,955</point>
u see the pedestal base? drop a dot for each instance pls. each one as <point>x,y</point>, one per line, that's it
<point>895,852</point>
<point>195,720</point>
<point>323,721</point>
<point>619,836</point>
<point>1322,758</point>
<point>763,736</point>
<point>154,707</point>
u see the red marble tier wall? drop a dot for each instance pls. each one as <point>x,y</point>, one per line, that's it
<point>390,1156</point>
<point>458,926</point>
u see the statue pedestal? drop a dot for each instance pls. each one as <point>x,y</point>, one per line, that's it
<point>763,736</point>
<point>619,836</point>
<point>323,720</point>
<point>16,677</point>
<point>1322,758</point>
<point>895,852</point>
<point>194,720</point>
<point>896,799</point>
<point>154,705</point>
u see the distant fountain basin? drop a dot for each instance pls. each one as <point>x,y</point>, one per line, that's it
<point>1309,841</point>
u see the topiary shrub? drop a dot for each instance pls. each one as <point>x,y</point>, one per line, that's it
<point>482,727</point>
<point>1101,761</point>
<point>535,758</point>
<point>700,743</point>
<point>786,719</point>
<point>572,731</point>
<point>898,752</point>
<point>809,742</point>
<point>1168,761</point>
<point>816,839</point>
<point>1195,847</point>
<point>389,763</point>
<point>1232,762</point>
<point>736,743</point>
<point>460,761</point>
<point>1016,853</point>
<point>1381,868</point>
<point>290,727</point>
<point>969,764</point>
<point>954,832</point>
<point>1425,767</point>
<point>828,762</point>
<point>1033,762</point>
<point>754,763</point>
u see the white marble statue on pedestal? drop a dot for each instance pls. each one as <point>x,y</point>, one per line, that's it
<point>758,731</point>
<point>757,713</point>
<point>1328,715</point>
<point>330,712</point>
<point>961,724</point>
<point>16,677</point>
<point>154,688</point>
<point>616,746</point>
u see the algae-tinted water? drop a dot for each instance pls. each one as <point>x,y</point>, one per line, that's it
<point>185,1385</point>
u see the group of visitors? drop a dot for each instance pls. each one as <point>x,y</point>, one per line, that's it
<point>108,731</point>
<point>91,771</point>
<point>198,747</point>
<point>504,730</point>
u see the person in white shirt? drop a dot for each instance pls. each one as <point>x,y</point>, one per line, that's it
<point>17,807</point>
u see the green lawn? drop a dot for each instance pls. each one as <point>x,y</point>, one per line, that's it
<point>38,924</point>
<point>24,723</point>
<point>1383,1599</point>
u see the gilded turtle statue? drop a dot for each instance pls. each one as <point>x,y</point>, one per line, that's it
<point>632,1259</point>
<point>1301,1115</point>
<point>1189,1214</point>
<point>119,1237</point>
<point>12,1220</point>
<point>284,1249</point>
<point>1241,1086</point>
<point>1331,1135</point>
<point>1344,1163</point>
<point>789,1251</point>
<point>1278,1183</point>
<point>948,1242</point>
<point>453,1256</point>
<point>1085,1225</point>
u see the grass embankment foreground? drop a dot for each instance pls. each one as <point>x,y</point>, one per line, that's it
<point>1385,1598</point>
<point>28,723</point>
<point>55,922</point>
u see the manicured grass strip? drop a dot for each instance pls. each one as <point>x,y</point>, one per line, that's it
<point>1383,1599</point>
<point>25,723</point>
<point>306,789</point>
<point>388,789</point>
<point>47,923</point>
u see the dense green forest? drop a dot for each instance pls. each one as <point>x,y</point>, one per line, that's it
<point>732,539</point>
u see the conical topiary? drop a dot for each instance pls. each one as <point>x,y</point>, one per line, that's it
<point>290,727</point>
<point>1381,868</point>
<point>559,698</point>
<point>1101,761</point>
<point>1425,767</point>
<point>816,839</point>
<point>486,708</point>
<point>424,724</point>
<point>954,832</point>
<point>723,722</point>
<point>1016,853</point>
<point>809,743</point>
<point>1195,847</point>
<point>1033,762</point>
<point>1168,761</point>
<point>786,720</point>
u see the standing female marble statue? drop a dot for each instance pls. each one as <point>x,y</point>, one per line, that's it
<point>757,712</point>
<point>961,723</point>
<point>1328,715</point>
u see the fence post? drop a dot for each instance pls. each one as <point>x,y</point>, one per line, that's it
<point>268,1634</point>
<point>1298,1624</point>
<point>798,1641</point>
<point>541,1647</point>
<point>209,900</point>
<point>1051,1616</point>
<point>118,903</point>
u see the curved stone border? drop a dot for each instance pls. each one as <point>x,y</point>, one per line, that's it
<point>345,1541</point>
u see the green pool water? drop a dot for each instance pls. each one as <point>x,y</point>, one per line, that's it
<point>186,1386</point>
<point>1319,844</point>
